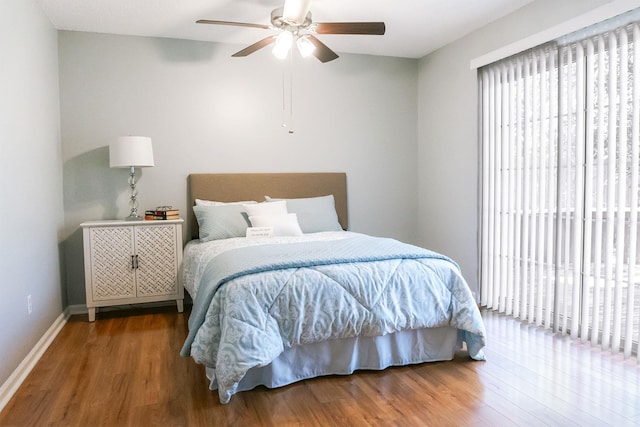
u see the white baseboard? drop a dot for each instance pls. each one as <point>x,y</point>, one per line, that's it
<point>9,388</point>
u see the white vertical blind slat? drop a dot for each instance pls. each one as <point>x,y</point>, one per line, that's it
<point>519,190</point>
<point>599,217</point>
<point>535,136</point>
<point>491,221</point>
<point>497,160</point>
<point>552,122</point>
<point>511,187</point>
<point>566,205</point>
<point>504,193</point>
<point>587,297</point>
<point>578,192</point>
<point>609,259</point>
<point>526,209</point>
<point>633,202</point>
<point>621,185</point>
<point>484,290</point>
<point>558,279</point>
<point>543,99</point>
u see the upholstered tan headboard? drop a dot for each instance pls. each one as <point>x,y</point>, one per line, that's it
<point>224,187</point>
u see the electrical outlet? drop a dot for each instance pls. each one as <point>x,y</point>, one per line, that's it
<point>29,306</point>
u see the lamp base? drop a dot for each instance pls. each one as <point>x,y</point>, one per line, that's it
<point>133,198</point>
<point>133,217</point>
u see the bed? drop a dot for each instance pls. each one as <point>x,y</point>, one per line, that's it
<point>282,292</point>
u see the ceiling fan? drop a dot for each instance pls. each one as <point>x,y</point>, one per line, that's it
<point>294,23</point>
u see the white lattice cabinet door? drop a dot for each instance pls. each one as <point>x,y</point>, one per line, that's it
<point>129,262</point>
<point>112,275</point>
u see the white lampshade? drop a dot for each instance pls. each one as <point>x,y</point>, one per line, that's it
<point>129,151</point>
<point>305,46</point>
<point>282,45</point>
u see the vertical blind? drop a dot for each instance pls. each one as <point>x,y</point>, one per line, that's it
<point>560,163</point>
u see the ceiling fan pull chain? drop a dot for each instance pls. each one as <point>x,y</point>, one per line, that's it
<point>284,98</point>
<point>287,98</point>
<point>291,94</point>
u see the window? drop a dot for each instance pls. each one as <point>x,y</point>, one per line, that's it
<point>560,163</point>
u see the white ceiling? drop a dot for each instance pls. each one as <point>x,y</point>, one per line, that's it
<point>414,27</point>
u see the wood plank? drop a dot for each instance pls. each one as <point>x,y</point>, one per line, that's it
<point>125,369</point>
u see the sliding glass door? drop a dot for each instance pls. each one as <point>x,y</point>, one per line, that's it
<point>560,164</point>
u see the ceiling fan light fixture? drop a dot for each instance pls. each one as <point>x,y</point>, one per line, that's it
<point>305,46</point>
<point>294,21</point>
<point>283,45</point>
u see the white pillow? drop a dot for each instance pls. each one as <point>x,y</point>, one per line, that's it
<point>271,208</point>
<point>201,202</point>
<point>283,225</point>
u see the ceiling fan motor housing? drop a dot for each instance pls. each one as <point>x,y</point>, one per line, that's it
<point>278,21</point>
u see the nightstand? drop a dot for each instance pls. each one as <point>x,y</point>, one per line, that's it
<point>131,262</point>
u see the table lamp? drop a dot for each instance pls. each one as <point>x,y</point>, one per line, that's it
<point>131,152</point>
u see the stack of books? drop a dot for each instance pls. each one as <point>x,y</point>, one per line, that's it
<point>162,213</point>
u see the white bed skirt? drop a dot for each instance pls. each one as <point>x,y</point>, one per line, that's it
<point>344,356</point>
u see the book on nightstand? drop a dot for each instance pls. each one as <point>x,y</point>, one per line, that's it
<point>162,213</point>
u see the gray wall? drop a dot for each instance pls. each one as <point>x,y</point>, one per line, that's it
<point>447,136</point>
<point>30,180</point>
<point>208,112</point>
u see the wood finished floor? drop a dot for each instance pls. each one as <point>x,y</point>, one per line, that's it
<point>124,370</point>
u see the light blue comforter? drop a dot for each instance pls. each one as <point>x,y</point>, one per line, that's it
<point>255,302</point>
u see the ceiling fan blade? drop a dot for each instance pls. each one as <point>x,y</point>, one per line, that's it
<point>322,51</point>
<point>237,24</point>
<point>256,46</point>
<point>365,28</point>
